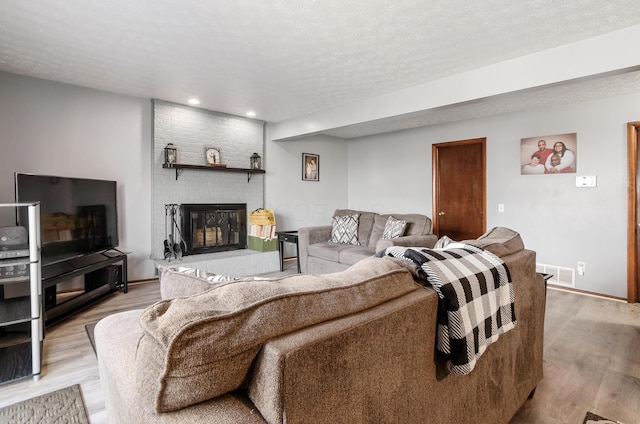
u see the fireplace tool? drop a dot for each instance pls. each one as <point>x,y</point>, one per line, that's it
<point>174,244</point>
<point>167,246</point>
<point>177,246</point>
<point>183,245</point>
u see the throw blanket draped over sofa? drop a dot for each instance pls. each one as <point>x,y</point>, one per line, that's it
<point>356,346</point>
<point>476,298</point>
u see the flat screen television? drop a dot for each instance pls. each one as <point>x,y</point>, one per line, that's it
<point>78,216</point>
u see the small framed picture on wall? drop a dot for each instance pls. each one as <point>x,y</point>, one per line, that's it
<point>310,167</point>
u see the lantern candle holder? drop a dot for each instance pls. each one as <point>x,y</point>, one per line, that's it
<point>170,155</point>
<point>256,161</point>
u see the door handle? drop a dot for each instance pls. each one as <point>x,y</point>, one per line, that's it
<point>440,213</point>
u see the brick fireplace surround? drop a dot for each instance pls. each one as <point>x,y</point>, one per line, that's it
<point>192,130</point>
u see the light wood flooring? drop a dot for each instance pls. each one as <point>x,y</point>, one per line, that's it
<point>592,358</point>
<point>591,361</point>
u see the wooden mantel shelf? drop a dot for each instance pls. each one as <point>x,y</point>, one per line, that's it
<point>180,167</point>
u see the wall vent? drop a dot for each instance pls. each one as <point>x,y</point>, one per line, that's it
<point>562,276</point>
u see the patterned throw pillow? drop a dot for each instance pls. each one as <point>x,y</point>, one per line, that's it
<point>200,273</point>
<point>394,228</point>
<point>210,277</point>
<point>178,281</point>
<point>443,242</point>
<point>345,229</point>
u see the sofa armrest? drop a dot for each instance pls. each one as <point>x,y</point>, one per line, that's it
<point>428,240</point>
<point>308,236</point>
<point>116,338</point>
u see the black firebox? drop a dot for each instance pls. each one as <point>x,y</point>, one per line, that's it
<point>213,227</point>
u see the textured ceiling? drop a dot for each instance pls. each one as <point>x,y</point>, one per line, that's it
<point>285,59</point>
<point>538,98</point>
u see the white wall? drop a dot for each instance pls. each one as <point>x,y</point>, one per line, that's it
<point>298,203</point>
<point>563,223</point>
<point>57,129</point>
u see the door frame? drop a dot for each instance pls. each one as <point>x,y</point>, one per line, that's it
<point>435,186</point>
<point>632,223</point>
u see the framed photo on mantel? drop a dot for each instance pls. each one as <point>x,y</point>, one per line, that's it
<point>212,156</point>
<point>310,167</point>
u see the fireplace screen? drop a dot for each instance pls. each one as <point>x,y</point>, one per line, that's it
<point>214,227</point>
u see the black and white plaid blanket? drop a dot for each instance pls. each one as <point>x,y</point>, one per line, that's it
<point>476,298</point>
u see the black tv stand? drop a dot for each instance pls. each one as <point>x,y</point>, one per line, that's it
<point>104,272</point>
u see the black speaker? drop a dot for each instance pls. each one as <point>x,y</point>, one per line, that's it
<point>111,275</point>
<point>50,297</point>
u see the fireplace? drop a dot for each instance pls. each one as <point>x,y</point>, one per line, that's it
<point>211,227</point>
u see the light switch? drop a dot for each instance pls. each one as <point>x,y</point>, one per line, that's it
<point>586,181</point>
<point>501,207</point>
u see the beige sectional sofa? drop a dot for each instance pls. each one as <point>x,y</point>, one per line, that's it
<point>318,255</point>
<point>355,346</point>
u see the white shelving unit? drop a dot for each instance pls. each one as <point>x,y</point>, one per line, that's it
<point>21,317</point>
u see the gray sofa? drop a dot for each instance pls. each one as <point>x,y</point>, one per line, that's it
<point>350,347</point>
<point>318,255</point>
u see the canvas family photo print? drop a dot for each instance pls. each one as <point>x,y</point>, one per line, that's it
<point>549,154</point>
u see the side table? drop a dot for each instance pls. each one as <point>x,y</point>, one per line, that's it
<point>289,237</point>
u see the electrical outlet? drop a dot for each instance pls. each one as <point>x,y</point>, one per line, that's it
<point>581,268</point>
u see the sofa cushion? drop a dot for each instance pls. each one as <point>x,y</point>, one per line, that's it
<point>344,229</point>
<point>394,228</point>
<point>500,241</point>
<point>355,254</point>
<point>328,251</point>
<point>198,347</point>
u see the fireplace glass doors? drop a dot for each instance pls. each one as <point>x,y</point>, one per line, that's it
<point>210,228</point>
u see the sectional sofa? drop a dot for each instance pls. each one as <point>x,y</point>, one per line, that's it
<point>356,346</point>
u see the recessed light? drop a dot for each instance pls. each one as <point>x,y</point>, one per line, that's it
<point>194,102</point>
<point>251,114</point>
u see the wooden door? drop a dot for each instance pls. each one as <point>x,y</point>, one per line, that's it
<point>633,236</point>
<point>459,189</point>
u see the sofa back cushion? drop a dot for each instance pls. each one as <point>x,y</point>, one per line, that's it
<point>417,225</point>
<point>365,223</point>
<point>199,347</point>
